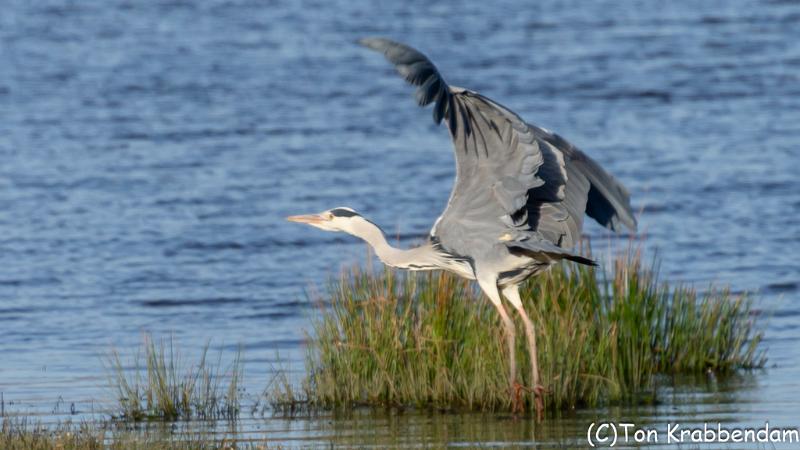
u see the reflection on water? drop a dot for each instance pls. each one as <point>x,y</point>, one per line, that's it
<point>683,403</point>
<point>149,152</point>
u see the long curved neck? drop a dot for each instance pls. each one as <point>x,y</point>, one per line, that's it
<point>424,257</point>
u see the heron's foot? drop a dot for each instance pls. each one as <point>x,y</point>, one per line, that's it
<point>538,392</point>
<point>516,398</point>
<point>538,400</point>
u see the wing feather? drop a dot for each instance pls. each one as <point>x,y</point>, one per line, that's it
<point>509,175</point>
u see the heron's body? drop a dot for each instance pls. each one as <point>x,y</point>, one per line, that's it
<point>517,203</point>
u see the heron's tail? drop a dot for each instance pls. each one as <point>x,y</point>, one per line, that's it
<point>581,260</point>
<point>534,245</point>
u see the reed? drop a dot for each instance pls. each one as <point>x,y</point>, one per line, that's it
<point>167,387</point>
<point>430,340</point>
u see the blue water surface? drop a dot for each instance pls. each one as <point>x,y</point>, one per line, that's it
<point>150,151</point>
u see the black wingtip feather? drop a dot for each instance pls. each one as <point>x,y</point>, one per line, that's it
<point>417,70</point>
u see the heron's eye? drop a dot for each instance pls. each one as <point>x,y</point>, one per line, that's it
<point>329,216</point>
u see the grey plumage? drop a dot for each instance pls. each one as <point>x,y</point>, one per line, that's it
<point>517,203</point>
<point>510,175</point>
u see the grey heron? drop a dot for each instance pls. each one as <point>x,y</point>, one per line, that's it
<point>516,207</point>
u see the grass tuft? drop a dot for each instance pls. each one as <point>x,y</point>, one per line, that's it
<point>23,434</point>
<point>168,388</point>
<point>430,340</point>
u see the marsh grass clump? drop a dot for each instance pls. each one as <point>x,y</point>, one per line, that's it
<point>431,340</point>
<point>167,387</point>
<point>23,434</point>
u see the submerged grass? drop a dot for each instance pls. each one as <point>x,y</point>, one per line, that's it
<point>430,339</point>
<point>168,388</point>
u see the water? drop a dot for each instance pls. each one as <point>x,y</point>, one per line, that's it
<point>149,152</point>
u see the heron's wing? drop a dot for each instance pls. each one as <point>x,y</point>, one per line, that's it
<point>497,154</point>
<point>509,174</point>
<point>592,189</point>
<point>589,188</point>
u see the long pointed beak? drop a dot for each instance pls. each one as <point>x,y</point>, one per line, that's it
<point>307,218</point>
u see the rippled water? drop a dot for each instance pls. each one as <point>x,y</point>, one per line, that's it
<point>149,151</point>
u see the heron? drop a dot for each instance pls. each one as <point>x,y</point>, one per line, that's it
<point>516,206</point>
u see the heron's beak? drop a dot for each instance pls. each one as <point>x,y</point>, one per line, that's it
<point>310,219</point>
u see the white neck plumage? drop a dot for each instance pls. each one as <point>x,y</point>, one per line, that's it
<point>424,257</point>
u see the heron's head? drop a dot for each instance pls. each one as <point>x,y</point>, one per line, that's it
<point>336,219</point>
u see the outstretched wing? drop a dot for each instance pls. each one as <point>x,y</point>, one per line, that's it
<point>592,190</point>
<point>509,174</point>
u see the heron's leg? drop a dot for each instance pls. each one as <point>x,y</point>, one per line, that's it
<point>511,293</point>
<point>490,288</point>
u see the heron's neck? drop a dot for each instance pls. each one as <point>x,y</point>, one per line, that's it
<point>417,258</point>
